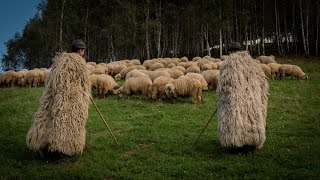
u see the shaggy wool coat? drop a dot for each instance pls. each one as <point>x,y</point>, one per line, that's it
<point>242,103</point>
<point>59,123</point>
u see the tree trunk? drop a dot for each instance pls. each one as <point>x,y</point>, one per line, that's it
<point>257,43</point>
<point>61,23</point>
<point>294,29</point>
<point>286,30</point>
<point>263,48</point>
<point>317,39</point>
<point>277,27</point>
<point>86,32</point>
<point>246,37</point>
<point>236,21</point>
<point>147,13</point>
<point>307,28</point>
<point>206,38</point>
<point>302,31</point>
<point>220,33</point>
<point>158,16</point>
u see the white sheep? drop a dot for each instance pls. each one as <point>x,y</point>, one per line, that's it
<point>293,71</point>
<point>184,87</point>
<point>104,84</point>
<point>158,86</point>
<point>266,59</point>
<point>200,78</point>
<point>274,67</point>
<point>136,85</point>
<point>135,73</point>
<point>33,78</point>
<point>193,69</point>
<point>212,78</point>
<point>181,68</point>
<point>266,69</point>
<point>154,74</point>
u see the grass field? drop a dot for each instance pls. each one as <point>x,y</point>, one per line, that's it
<point>156,137</point>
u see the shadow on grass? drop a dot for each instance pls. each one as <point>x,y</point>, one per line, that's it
<point>217,150</point>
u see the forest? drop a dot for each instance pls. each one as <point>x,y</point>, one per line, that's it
<point>144,29</point>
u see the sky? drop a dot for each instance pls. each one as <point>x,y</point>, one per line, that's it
<point>14,15</point>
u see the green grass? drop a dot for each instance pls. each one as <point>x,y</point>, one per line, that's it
<point>156,138</point>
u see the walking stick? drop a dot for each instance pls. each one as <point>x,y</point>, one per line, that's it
<point>205,127</point>
<point>104,121</point>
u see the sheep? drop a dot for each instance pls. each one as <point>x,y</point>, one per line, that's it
<point>209,66</point>
<point>93,81</point>
<point>184,87</point>
<point>266,59</point>
<point>193,69</point>
<point>33,78</point>
<point>135,62</point>
<point>212,78</point>
<point>92,63</point>
<point>135,85</point>
<point>154,74</point>
<point>125,71</point>
<point>293,71</point>
<point>184,59</point>
<point>274,67</point>
<point>162,69</point>
<point>200,78</point>
<point>183,64</point>
<point>175,73</point>
<point>182,69</point>
<point>170,65</point>
<point>99,69</point>
<point>190,63</point>
<point>17,77</point>
<point>135,73</point>
<point>147,63</point>
<point>196,58</point>
<point>158,86</point>
<point>117,69</point>
<point>266,69</point>
<point>7,77</point>
<point>104,84</point>
<point>156,66</point>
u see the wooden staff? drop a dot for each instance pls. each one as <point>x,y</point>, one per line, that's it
<point>104,121</point>
<point>205,127</point>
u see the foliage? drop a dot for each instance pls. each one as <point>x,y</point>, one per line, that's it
<point>156,137</point>
<point>118,29</point>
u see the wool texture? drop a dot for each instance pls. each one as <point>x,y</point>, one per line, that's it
<point>59,123</point>
<point>242,102</point>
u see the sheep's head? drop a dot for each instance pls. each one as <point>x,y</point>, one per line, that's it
<point>169,90</point>
<point>115,89</point>
<point>304,77</point>
<point>118,77</point>
<point>119,91</point>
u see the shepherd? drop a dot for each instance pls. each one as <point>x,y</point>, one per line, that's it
<point>59,124</point>
<point>242,101</point>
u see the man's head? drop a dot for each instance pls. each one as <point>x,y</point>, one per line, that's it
<point>78,46</point>
<point>234,46</point>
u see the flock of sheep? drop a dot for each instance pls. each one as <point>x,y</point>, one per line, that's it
<point>155,78</point>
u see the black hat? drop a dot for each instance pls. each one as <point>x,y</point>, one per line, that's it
<point>235,46</point>
<point>79,44</point>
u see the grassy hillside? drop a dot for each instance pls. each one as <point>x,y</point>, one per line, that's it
<point>156,137</point>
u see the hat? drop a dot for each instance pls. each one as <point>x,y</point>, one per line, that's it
<point>235,46</point>
<point>78,43</point>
